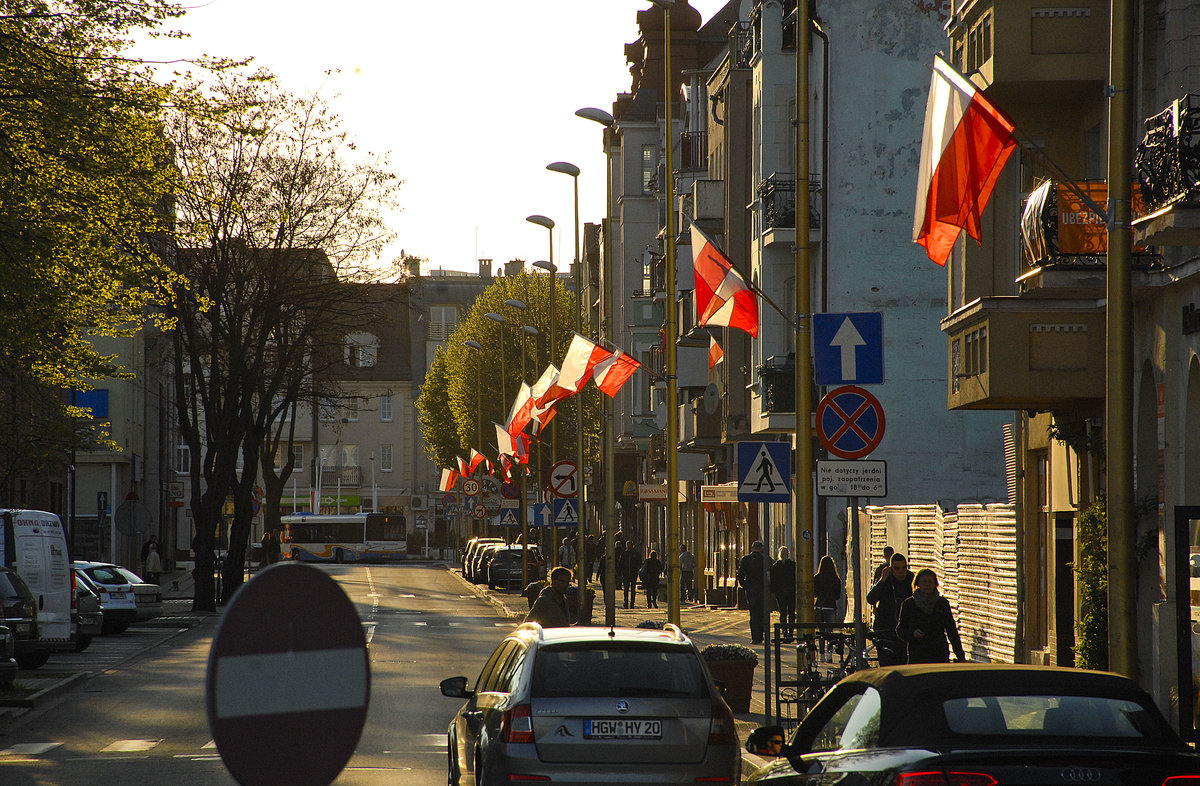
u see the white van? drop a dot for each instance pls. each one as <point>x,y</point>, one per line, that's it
<point>34,544</point>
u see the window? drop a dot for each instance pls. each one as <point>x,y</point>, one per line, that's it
<point>443,321</point>
<point>183,460</point>
<point>361,350</point>
<point>385,458</point>
<point>349,456</point>
<point>847,724</point>
<point>94,400</point>
<point>298,454</point>
<point>350,411</point>
<point>328,411</point>
<point>649,165</point>
<point>385,409</point>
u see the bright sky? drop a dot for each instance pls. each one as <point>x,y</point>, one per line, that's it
<point>470,99</point>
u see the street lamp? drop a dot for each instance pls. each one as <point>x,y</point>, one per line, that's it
<point>606,404</point>
<point>475,345</point>
<point>572,171</point>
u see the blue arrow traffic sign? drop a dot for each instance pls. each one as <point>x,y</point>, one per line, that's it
<point>542,514</point>
<point>848,349</point>
<point>764,472</point>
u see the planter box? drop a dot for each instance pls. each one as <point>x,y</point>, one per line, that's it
<point>738,678</point>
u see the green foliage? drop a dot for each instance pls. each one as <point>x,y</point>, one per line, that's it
<point>468,390</point>
<point>1091,648</point>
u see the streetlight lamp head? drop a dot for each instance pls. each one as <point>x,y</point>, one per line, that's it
<point>530,330</point>
<point>517,304</point>
<point>492,315</point>
<point>547,266</point>
<point>564,167</point>
<point>473,344</point>
<point>596,116</point>
<point>541,221</point>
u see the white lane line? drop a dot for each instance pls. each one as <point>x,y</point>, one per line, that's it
<point>30,749</point>
<point>130,746</point>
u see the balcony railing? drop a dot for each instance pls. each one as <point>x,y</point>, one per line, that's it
<point>1060,230</point>
<point>778,196</point>
<point>693,150</point>
<point>350,476</point>
<point>1167,160</point>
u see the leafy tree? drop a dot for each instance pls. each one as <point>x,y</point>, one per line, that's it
<point>1091,650</point>
<point>83,177</point>
<point>276,231</point>
<point>467,388</point>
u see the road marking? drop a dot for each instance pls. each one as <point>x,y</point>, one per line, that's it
<point>30,749</point>
<point>130,746</point>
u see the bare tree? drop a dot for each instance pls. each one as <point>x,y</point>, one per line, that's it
<point>275,226</point>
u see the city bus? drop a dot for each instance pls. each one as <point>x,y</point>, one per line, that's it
<point>350,537</point>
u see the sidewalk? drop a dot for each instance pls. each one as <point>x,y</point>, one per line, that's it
<point>704,624</point>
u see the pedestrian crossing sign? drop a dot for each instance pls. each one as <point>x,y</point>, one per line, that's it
<point>764,472</point>
<point>566,514</point>
<point>509,518</point>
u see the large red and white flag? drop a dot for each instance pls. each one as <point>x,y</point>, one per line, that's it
<point>464,469</point>
<point>966,143</point>
<point>577,365</point>
<point>505,444</point>
<point>477,458</point>
<point>522,410</point>
<point>543,412</point>
<point>715,353</point>
<point>449,478</point>
<point>611,374</point>
<point>722,296</point>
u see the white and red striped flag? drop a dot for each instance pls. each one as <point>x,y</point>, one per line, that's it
<point>611,374</point>
<point>477,458</point>
<point>463,468</point>
<point>449,478</point>
<point>522,410</point>
<point>966,143</point>
<point>722,295</point>
<point>715,353</point>
<point>577,365</point>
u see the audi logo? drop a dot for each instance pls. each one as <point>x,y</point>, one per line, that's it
<point>1080,775</point>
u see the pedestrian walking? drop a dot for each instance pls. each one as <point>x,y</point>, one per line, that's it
<point>926,623</point>
<point>888,593</point>
<point>550,608</point>
<point>151,541</point>
<point>566,553</point>
<point>783,587</point>
<point>651,574</point>
<point>882,568</point>
<point>750,578</point>
<point>827,591</point>
<point>631,563</point>
<point>591,553</point>
<point>687,574</point>
<point>154,566</point>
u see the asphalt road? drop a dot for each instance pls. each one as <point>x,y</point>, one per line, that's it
<point>140,715</point>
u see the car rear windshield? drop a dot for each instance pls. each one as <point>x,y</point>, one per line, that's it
<point>13,587</point>
<point>614,670</point>
<point>1053,716</point>
<point>106,576</point>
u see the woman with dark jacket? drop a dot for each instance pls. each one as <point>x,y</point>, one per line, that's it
<point>827,590</point>
<point>651,573</point>
<point>927,623</point>
<point>783,587</point>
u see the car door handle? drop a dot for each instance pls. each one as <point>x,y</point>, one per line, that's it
<point>473,714</point>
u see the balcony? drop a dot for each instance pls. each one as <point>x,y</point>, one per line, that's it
<point>1168,165</point>
<point>1016,353</point>
<point>349,476</point>
<point>778,376</point>
<point>700,423</point>
<point>777,197</point>
<point>693,150</point>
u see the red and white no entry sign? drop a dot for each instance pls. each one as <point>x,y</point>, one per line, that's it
<point>288,678</point>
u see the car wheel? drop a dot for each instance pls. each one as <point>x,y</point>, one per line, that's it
<point>82,643</point>
<point>33,660</point>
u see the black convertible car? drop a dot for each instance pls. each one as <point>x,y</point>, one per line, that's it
<point>979,725</point>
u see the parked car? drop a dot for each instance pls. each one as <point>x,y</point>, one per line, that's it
<point>978,725</point>
<point>21,618</point>
<point>88,616</point>
<point>147,596</point>
<point>8,661</point>
<point>116,594</point>
<point>625,705</point>
<point>474,546</point>
<point>479,564</point>
<point>33,543</point>
<point>505,569</point>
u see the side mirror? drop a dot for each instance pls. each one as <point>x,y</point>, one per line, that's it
<point>767,741</point>
<point>456,688</point>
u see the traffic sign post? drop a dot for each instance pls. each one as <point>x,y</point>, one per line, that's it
<point>288,679</point>
<point>849,422</point>
<point>563,479</point>
<point>566,512</point>
<point>848,349</point>
<point>764,472</point>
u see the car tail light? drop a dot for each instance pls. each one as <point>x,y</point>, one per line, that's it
<point>945,779</point>
<point>1182,780</point>
<point>74,593</point>
<point>722,730</point>
<point>516,724</point>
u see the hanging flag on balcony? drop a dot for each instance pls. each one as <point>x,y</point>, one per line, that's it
<point>611,374</point>
<point>722,296</point>
<point>449,478</point>
<point>966,143</point>
<point>715,353</point>
<point>577,365</point>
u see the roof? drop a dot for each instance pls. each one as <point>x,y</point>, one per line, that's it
<point>996,678</point>
<point>582,634</point>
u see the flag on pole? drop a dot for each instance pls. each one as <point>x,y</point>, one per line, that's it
<point>722,296</point>
<point>449,478</point>
<point>577,365</point>
<point>611,374</point>
<point>477,458</point>
<point>522,410</point>
<point>966,143</point>
<point>715,353</point>
<point>543,412</point>
<point>463,469</point>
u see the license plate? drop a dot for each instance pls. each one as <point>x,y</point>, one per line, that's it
<point>118,595</point>
<point>622,729</point>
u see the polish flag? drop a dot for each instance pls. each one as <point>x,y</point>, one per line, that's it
<point>966,143</point>
<point>715,353</point>
<point>611,374</point>
<point>463,469</point>
<point>722,296</point>
<point>521,412</point>
<point>577,365</point>
<point>477,458</point>
<point>449,478</point>
<point>542,412</point>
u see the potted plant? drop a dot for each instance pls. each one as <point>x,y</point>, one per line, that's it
<point>732,667</point>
